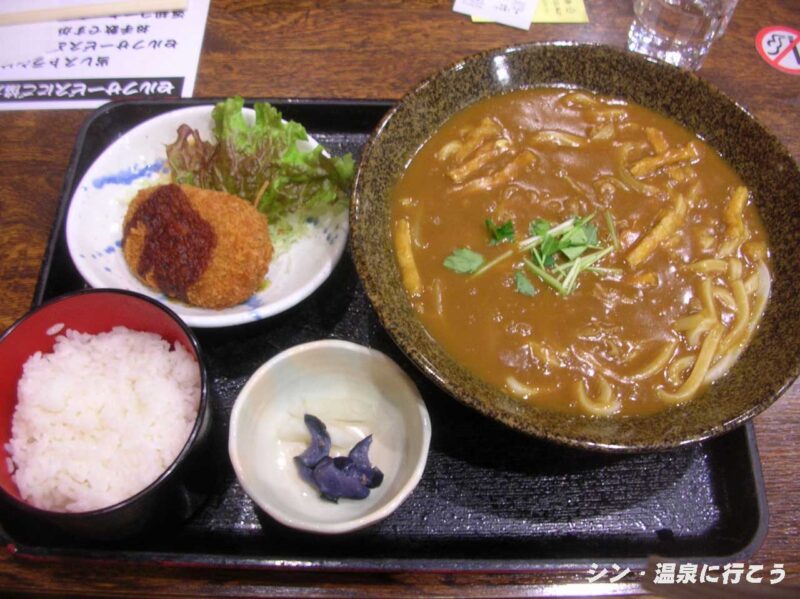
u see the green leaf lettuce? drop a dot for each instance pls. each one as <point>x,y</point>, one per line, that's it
<point>267,162</point>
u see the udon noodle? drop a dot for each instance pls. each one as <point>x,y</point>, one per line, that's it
<point>581,253</point>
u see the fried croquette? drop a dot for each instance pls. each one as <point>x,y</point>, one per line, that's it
<point>207,248</point>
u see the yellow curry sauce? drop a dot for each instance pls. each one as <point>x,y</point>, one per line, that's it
<point>670,307</point>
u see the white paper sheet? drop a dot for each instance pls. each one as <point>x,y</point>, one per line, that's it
<point>84,63</point>
<point>15,12</point>
<point>515,13</point>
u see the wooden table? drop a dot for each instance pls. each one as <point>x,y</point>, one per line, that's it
<point>370,49</point>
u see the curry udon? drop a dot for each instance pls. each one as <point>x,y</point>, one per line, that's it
<point>582,253</point>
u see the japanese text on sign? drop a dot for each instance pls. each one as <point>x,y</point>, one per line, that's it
<point>83,63</point>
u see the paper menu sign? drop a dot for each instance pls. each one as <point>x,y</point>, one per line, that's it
<point>515,13</point>
<point>15,12</point>
<point>555,11</point>
<point>561,11</point>
<point>83,63</point>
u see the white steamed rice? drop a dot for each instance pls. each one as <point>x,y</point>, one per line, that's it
<point>100,418</point>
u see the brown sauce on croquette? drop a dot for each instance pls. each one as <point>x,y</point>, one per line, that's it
<point>178,243</point>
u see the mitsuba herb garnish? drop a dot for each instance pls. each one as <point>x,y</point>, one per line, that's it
<point>558,253</point>
<point>612,229</point>
<point>500,233</point>
<point>571,242</point>
<point>524,286</point>
<point>464,261</point>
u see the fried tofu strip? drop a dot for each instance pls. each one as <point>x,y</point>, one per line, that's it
<point>668,225</point>
<point>676,174</point>
<point>645,280</point>
<point>405,258</point>
<point>651,164</point>
<point>483,156</point>
<point>627,178</point>
<point>709,265</point>
<point>438,300</point>
<point>608,113</point>
<point>558,138</point>
<point>657,139</point>
<point>576,98</point>
<point>603,133</point>
<point>505,175</point>
<point>610,180</point>
<point>448,149</point>
<point>734,213</point>
<point>475,138</point>
<point>735,229</point>
<point>755,251</point>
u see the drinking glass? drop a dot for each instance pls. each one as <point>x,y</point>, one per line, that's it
<point>679,32</point>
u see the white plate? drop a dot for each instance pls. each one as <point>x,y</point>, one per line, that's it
<point>137,160</point>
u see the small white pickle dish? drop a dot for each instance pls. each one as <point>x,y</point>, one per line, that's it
<point>355,391</point>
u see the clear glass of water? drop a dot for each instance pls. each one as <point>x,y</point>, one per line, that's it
<point>679,32</point>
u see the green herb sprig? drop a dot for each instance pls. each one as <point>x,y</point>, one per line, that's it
<point>500,233</point>
<point>559,254</point>
<point>523,284</point>
<point>464,261</point>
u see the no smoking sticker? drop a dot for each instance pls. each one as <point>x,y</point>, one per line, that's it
<point>780,47</point>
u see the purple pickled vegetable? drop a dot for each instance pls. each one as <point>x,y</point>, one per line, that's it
<point>351,477</point>
<point>337,477</point>
<point>370,476</point>
<point>305,472</point>
<point>320,442</point>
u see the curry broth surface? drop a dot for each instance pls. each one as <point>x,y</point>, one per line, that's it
<point>605,325</point>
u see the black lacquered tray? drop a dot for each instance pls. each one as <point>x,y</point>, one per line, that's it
<point>490,499</point>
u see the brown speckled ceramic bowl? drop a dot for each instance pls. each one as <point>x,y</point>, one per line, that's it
<point>765,369</point>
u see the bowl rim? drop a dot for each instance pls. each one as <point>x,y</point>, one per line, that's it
<point>187,446</point>
<point>368,518</point>
<point>423,362</point>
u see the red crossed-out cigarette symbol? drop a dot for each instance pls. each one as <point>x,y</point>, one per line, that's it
<point>780,48</point>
